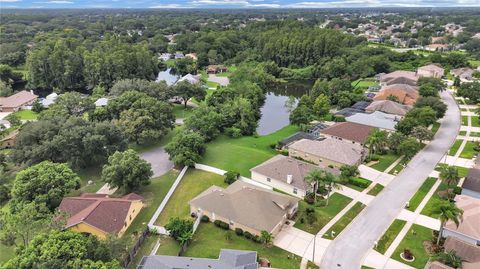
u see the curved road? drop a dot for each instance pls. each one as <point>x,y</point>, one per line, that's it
<point>348,250</point>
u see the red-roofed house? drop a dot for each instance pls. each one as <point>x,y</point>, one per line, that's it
<point>101,215</point>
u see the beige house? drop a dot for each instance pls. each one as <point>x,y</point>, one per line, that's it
<point>287,174</point>
<point>328,152</point>
<point>399,77</point>
<point>431,70</point>
<point>469,229</point>
<point>16,101</point>
<point>245,206</point>
<point>9,140</point>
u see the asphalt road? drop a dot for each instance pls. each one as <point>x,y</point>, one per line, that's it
<point>158,158</point>
<point>349,249</point>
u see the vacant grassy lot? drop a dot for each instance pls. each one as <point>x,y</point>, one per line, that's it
<point>344,220</point>
<point>413,241</point>
<point>385,161</point>
<point>430,207</point>
<point>453,150</point>
<point>376,189</point>
<point>26,115</point>
<point>388,237</point>
<point>209,239</point>
<point>242,154</point>
<point>323,214</point>
<point>193,183</point>
<point>468,151</point>
<point>421,193</point>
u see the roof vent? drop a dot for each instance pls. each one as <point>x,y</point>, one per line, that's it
<point>289,179</point>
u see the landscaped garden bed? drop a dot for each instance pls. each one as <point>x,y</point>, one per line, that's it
<point>414,242</point>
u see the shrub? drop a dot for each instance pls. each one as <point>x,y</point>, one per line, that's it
<point>205,218</point>
<point>331,166</point>
<point>230,177</point>
<point>222,224</point>
<point>309,210</point>
<point>309,198</point>
<point>457,190</point>
<point>372,157</point>
<point>248,235</point>
<point>339,119</point>
<point>239,231</point>
<point>257,239</point>
<point>359,182</point>
<point>273,146</point>
<point>284,152</point>
<point>233,132</point>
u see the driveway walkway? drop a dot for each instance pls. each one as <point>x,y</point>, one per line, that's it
<point>348,250</point>
<point>293,240</point>
<point>158,158</point>
<point>223,81</point>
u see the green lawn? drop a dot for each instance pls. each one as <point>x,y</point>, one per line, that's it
<point>168,246</point>
<point>323,214</point>
<point>398,168</point>
<point>193,183</point>
<point>385,161</point>
<point>473,134</point>
<point>242,154</point>
<point>465,120</point>
<point>92,173</point>
<point>153,194</point>
<point>390,235</point>
<point>364,83</point>
<point>230,70</point>
<point>435,127</point>
<point>462,171</point>
<point>414,243</point>
<point>453,150</point>
<point>430,207</point>
<point>26,115</point>
<point>376,189</point>
<point>209,239</point>
<point>421,193</point>
<point>212,84</point>
<point>344,220</point>
<point>469,150</point>
<point>181,112</point>
<point>475,122</point>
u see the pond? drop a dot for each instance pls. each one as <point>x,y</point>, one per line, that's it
<point>274,113</point>
<point>167,75</point>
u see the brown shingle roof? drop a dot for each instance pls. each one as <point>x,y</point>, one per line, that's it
<point>106,214</point>
<point>350,131</point>
<point>389,107</point>
<point>472,181</point>
<point>17,100</point>
<point>405,93</point>
<point>397,77</point>
<point>467,252</point>
<point>471,217</point>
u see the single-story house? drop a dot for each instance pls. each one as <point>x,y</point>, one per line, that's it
<point>245,206</point>
<point>358,107</point>
<point>16,101</point>
<point>431,70</point>
<point>404,93</point>
<point>376,119</point>
<point>389,107</point>
<point>213,69</point>
<point>468,253</point>
<point>316,128</point>
<point>101,102</point>
<point>399,77</point>
<point>464,73</point>
<point>437,47</point>
<point>192,79</point>
<point>193,56</point>
<point>471,184</point>
<point>348,131</point>
<point>9,140</point>
<point>287,174</point>
<point>228,259</point>
<point>295,137</point>
<point>99,214</point>
<point>469,229</point>
<point>328,152</point>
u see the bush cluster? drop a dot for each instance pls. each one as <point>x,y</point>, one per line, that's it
<point>359,182</point>
<point>204,219</point>
<point>222,224</point>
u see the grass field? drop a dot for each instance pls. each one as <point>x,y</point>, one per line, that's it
<point>344,220</point>
<point>468,151</point>
<point>323,214</point>
<point>168,246</point>
<point>26,115</point>
<point>413,241</point>
<point>209,239</point>
<point>193,183</point>
<point>421,193</point>
<point>241,154</point>
<point>465,120</point>
<point>430,207</point>
<point>475,122</point>
<point>181,112</point>
<point>390,235</point>
<point>453,150</point>
<point>385,161</point>
<point>376,189</point>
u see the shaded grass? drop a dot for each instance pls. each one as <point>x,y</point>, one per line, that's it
<point>323,214</point>
<point>430,207</point>
<point>390,235</point>
<point>435,127</point>
<point>468,151</point>
<point>453,150</point>
<point>376,189</point>
<point>193,183</point>
<point>385,161</point>
<point>168,246</point>
<point>475,122</point>
<point>181,112</point>
<point>421,193</point>
<point>209,239</point>
<point>414,243</point>
<point>242,154</point>
<point>144,250</point>
<point>344,220</point>
<point>91,173</point>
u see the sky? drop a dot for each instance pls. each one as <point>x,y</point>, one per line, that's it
<point>159,4</point>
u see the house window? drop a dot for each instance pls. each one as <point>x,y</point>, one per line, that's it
<point>295,190</point>
<point>269,179</point>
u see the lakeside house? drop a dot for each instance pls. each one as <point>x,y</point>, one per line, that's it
<point>17,101</point>
<point>469,229</point>
<point>352,132</point>
<point>228,259</point>
<point>404,93</point>
<point>389,107</point>
<point>399,77</point>
<point>192,79</point>
<point>329,152</point>
<point>376,119</point>
<point>287,174</point>
<point>99,214</point>
<point>245,206</point>
<point>431,70</point>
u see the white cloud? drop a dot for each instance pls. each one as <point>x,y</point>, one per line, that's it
<point>55,2</point>
<point>9,1</point>
<point>221,2</point>
<point>170,6</point>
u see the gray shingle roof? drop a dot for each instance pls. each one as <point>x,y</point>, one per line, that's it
<point>376,119</point>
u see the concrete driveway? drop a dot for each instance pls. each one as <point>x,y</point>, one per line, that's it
<point>223,81</point>
<point>158,158</point>
<point>351,246</point>
<point>293,240</point>
<point>4,114</point>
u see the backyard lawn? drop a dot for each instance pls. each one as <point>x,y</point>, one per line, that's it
<point>209,239</point>
<point>153,194</point>
<point>413,241</point>
<point>26,115</point>
<point>92,173</point>
<point>193,183</point>
<point>453,150</point>
<point>181,112</point>
<point>430,207</point>
<point>385,161</point>
<point>323,214</point>
<point>364,83</point>
<point>390,235</point>
<point>242,154</point>
<point>344,220</point>
<point>469,150</point>
<point>376,189</point>
<point>421,193</point>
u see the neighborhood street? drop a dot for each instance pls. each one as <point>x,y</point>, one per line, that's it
<point>158,158</point>
<point>349,249</point>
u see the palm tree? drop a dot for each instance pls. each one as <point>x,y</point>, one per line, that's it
<point>376,141</point>
<point>314,178</point>
<point>449,175</point>
<point>330,182</point>
<point>447,211</point>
